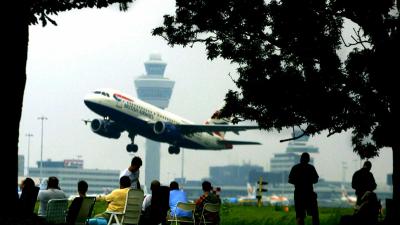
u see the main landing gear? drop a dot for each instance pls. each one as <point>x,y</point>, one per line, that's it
<point>173,150</point>
<point>132,147</point>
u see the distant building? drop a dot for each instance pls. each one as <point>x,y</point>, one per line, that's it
<point>70,171</point>
<point>21,165</point>
<point>232,175</point>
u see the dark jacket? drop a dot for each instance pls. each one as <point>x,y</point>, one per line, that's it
<point>303,176</point>
<point>363,181</point>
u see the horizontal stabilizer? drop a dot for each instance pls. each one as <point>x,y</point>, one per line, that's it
<point>239,142</point>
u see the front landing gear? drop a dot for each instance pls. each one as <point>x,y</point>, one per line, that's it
<point>132,147</point>
<point>173,150</point>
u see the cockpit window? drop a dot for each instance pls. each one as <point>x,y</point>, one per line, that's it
<point>102,93</point>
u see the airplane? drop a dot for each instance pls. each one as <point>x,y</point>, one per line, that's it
<point>350,199</point>
<point>122,112</point>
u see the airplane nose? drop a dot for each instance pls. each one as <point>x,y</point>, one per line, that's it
<point>89,100</point>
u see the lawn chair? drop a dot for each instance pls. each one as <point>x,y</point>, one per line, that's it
<point>189,207</point>
<point>85,211</point>
<point>131,213</point>
<point>210,214</point>
<point>56,210</point>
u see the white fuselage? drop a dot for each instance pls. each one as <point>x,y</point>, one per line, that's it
<point>114,104</point>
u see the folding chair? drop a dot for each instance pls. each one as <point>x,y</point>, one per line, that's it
<point>188,207</point>
<point>85,211</point>
<point>56,210</point>
<point>133,207</point>
<point>210,214</point>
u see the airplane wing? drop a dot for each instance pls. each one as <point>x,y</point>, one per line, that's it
<point>194,128</point>
<point>239,142</point>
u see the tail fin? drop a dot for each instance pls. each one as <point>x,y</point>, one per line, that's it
<point>344,192</point>
<point>250,190</point>
<point>216,119</point>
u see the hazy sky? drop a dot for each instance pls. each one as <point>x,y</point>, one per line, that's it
<point>92,49</point>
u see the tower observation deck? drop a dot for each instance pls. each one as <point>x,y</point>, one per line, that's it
<point>155,89</point>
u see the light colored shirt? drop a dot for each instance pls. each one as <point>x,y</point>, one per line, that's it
<point>146,202</point>
<point>45,195</point>
<point>133,176</point>
<point>116,199</point>
<point>176,196</point>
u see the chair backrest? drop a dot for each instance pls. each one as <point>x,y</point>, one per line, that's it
<point>56,210</point>
<point>186,206</point>
<point>210,213</point>
<point>133,206</point>
<point>85,211</point>
<point>211,207</point>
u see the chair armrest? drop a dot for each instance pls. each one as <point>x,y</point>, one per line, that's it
<point>116,213</point>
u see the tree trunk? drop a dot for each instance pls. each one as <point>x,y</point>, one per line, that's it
<point>13,80</point>
<point>396,182</point>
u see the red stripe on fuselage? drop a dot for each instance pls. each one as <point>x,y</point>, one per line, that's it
<point>123,97</point>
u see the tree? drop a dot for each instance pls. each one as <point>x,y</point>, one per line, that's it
<point>22,14</point>
<point>289,67</point>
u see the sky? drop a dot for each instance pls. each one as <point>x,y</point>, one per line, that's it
<point>92,48</point>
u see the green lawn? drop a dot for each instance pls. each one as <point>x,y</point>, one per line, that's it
<point>234,214</point>
<point>267,215</point>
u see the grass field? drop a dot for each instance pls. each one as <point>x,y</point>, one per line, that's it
<point>266,215</point>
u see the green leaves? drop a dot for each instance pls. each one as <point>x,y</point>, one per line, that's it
<point>41,9</point>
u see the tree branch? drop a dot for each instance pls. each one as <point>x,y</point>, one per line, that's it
<point>357,40</point>
<point>296,137</point>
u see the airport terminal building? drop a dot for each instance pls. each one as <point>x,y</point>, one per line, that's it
<point>70,171</point>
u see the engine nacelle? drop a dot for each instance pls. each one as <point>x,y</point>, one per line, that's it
<point>106,128</point>
<point>167,129</point>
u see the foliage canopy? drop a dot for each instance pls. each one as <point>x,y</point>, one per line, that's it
<point>290,69</point>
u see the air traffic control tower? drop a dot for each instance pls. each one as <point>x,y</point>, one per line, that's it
<point>155,89</point>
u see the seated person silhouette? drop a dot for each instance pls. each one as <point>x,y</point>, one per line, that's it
<point>368,211</point>
<point>53,191</point>
<point>175,196</point>
<point>76,204</point>
<point>116,199</point>
<point>27,200</point>
<point>207,197</point>
<point>155,205</point>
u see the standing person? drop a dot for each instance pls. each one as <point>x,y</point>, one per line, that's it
<point>363,181</point>
<point>303,176</point>
<point>133,172</point>
<point>53,191</point>
<point>175,196</point>
<point>76,204</point>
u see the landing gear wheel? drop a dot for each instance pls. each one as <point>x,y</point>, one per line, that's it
<point>173,150</point>
<point>132,148</point>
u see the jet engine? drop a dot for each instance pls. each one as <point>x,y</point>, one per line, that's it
<point>167,129</point>
<point>106,128</point>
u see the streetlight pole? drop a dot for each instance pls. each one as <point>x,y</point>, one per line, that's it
<point>42,118</point>
<point>29,135</point>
